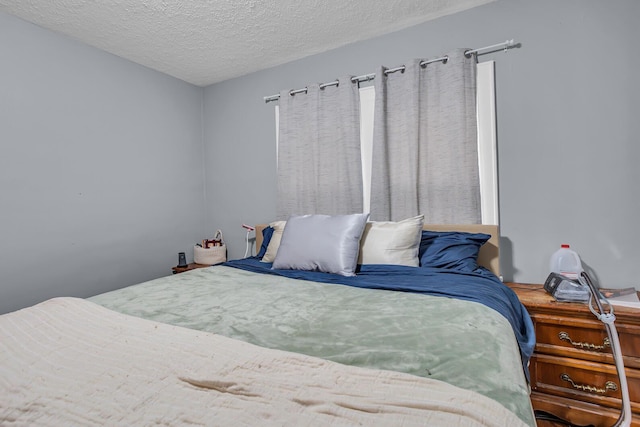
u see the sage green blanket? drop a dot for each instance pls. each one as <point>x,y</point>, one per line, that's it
<point>463,343</point>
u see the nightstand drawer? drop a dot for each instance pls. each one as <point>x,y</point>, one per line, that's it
<point>584,339</point>
<point>582,380</point>
<point>579,413</point>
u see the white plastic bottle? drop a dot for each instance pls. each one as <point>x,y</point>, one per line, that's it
<point>566,262</point>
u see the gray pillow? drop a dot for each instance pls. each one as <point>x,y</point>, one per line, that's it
<point>328,243</point>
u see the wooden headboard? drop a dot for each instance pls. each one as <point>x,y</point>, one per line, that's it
<point>489,256</point>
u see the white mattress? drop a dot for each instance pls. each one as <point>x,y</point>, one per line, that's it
<point>71,362</point>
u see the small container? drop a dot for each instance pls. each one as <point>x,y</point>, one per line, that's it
<point>566,262</point>
<point>182,259</point>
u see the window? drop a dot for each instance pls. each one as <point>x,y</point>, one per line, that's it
<point>487,148</point>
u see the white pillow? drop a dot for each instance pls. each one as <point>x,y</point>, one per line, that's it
<point>274,243</point>
<point>396,243</point>
<point>321,243</point>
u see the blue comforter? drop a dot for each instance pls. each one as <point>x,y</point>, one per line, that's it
<point>480,286</point>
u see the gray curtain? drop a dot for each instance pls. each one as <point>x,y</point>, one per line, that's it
<point>319,163</point>
<point>425,158</point>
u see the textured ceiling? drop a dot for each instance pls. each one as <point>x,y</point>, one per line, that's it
<point>208,41</point>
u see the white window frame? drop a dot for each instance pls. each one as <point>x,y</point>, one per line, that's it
<point>487,142</point>
<point>367,102</point>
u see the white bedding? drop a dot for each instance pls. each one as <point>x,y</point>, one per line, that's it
<point>71,362</point>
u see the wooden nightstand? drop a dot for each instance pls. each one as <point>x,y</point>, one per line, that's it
<point>191,266</point>
<point>573,375</point>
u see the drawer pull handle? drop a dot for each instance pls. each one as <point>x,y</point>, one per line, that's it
<point>608,386</point>
<point>584,345</point>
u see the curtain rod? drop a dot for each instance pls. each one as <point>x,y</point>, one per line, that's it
<point>367,77</point>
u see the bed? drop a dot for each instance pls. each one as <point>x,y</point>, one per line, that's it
<point>242,343</point>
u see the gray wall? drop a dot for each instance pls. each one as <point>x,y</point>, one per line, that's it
<point>567,128</point>
<point>101,174</point>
